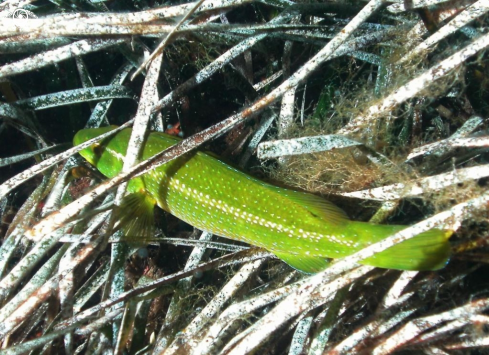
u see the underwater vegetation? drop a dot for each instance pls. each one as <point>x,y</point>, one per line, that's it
<point>266,123</point>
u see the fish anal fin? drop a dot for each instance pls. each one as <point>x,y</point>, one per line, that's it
<point>135,216</point>
<point>304,263</point>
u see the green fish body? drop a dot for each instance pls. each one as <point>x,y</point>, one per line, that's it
<point>301,229</point>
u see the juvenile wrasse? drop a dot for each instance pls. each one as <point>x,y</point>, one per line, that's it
<point>301,229</point>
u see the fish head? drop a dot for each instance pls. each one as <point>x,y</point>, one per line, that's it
<point>93,153</point>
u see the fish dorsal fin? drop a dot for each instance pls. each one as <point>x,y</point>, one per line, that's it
<point>176,139</point>
<point>304,263</point>
<point>318,206</point>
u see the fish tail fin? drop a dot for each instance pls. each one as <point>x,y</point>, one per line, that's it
<point>426,251</point>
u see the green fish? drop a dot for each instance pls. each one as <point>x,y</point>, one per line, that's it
<point>301,229</point>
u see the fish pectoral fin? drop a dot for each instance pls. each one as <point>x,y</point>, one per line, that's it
<point>135,216</point>
<point>304,263</point>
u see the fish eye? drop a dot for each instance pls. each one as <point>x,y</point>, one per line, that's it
<point>97,149</point>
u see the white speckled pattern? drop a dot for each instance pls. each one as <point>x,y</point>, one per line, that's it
<point>213,196</point>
